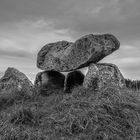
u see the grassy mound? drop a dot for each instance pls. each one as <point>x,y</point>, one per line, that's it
<point>109,114</point>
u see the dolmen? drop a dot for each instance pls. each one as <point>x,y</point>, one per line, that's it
<point>63,56</point>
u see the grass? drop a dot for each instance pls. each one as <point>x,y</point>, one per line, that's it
<point>108,114</point>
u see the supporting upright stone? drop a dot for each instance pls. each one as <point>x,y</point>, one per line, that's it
<point>102,74</point>
<point>49,79</point>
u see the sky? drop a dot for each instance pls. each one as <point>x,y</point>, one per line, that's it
<point>27,25</point>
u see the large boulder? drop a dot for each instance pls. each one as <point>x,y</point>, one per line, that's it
<point>49,80</point>
<point>15,81</point>
<point>103,75</point>
<point>66,56</point>
<point>73,79</point>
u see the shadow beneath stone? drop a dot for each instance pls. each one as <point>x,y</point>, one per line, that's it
<point>73,79</point>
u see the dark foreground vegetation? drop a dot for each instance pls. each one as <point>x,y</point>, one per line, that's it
<point>109,114</point>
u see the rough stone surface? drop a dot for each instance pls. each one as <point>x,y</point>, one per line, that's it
<point>15,81</point>
<point>103,75</point>
<point>49,79</point>
<point>73,79</point>
<point>67,56</point>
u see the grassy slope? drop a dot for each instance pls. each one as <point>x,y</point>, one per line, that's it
<point>109,114</point>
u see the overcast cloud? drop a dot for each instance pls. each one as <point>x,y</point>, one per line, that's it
<point>27,25</point>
